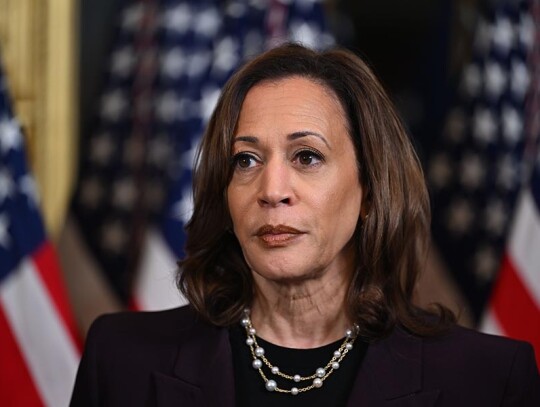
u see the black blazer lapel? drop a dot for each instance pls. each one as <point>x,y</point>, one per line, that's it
<point>171,391</point>
<point>391,374</point>
<point>203,371</point>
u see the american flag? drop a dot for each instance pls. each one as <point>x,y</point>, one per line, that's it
<point>476,174</point>
<point>39,348</point>
<point>514,306</point>
<point>168,65</point>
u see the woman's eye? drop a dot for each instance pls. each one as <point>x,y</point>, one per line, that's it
<point>308,157</point>
<point>244,160</point>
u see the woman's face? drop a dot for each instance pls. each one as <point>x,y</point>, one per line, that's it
<point>295,195</point>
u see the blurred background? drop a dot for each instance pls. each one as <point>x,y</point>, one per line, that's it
<point>102,105</point>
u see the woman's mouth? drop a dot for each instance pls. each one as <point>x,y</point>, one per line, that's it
<point>278,235</point>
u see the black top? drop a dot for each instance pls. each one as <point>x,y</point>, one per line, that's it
<point>250,387</point>
<point>174,358</point>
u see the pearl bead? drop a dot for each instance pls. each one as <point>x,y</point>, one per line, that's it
<point>257,364</point>
<point>348,346</point>
<point>317,382</point>
<point>335,365</point>
<point>294,391</point>
<point>274,369</point>
<point>252,331</point>
<point>296,378</point>
<point>244,322</point>
<point>349,333</point>
<point>271,385</point>
<point>259,351</point>
<point>250,341</point>
<point>337,353</point>
<point>320,372</point>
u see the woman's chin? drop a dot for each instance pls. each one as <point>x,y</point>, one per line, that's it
<point>289,275</point>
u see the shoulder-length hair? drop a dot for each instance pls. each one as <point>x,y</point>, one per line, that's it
<point>391,241</point>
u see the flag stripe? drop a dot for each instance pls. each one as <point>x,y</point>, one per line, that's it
<point>490,324</point>
<point>48,349</point>
<point>48,268</point>
<point>515,309</point>
<point>16,385</point>
<point>523,245</point>
<point>155,287</point>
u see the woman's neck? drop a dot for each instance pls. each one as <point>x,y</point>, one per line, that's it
<point>301,315</point>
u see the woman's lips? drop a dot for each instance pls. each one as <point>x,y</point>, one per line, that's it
<point>277,236</point>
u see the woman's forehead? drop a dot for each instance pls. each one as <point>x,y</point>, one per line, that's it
<point>294,99</point>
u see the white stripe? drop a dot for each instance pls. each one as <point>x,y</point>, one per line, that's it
<point>155,288</point>
<point>490,324</point>
<point>48,349</point>
<point>524,245</point>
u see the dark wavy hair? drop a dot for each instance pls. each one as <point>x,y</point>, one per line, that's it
<point>391,242</point>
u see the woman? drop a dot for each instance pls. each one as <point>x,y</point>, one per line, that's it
<point>309,229</point>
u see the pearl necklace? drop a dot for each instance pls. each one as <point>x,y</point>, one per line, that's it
<point>317,379</point>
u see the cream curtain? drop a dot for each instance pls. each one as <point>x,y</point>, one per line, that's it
<point>37,46</point>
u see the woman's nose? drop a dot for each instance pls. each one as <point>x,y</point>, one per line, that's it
<point>275,185</point>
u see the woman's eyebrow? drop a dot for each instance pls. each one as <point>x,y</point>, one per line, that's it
<point>299,134</point>
<point>247,139</point>
<point>291,137</point>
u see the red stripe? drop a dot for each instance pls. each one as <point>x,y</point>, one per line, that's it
<point>49,270</point>
<point>133,305</point>
<point>16,385</point>
<point>514,308</point>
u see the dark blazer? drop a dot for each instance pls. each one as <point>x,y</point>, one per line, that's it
<point>172,358</point>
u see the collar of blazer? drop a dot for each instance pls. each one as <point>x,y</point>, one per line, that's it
<point>392,371</point>
<point>390,374</point>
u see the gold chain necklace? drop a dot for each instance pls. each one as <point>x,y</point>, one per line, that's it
<point>317,379</point>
